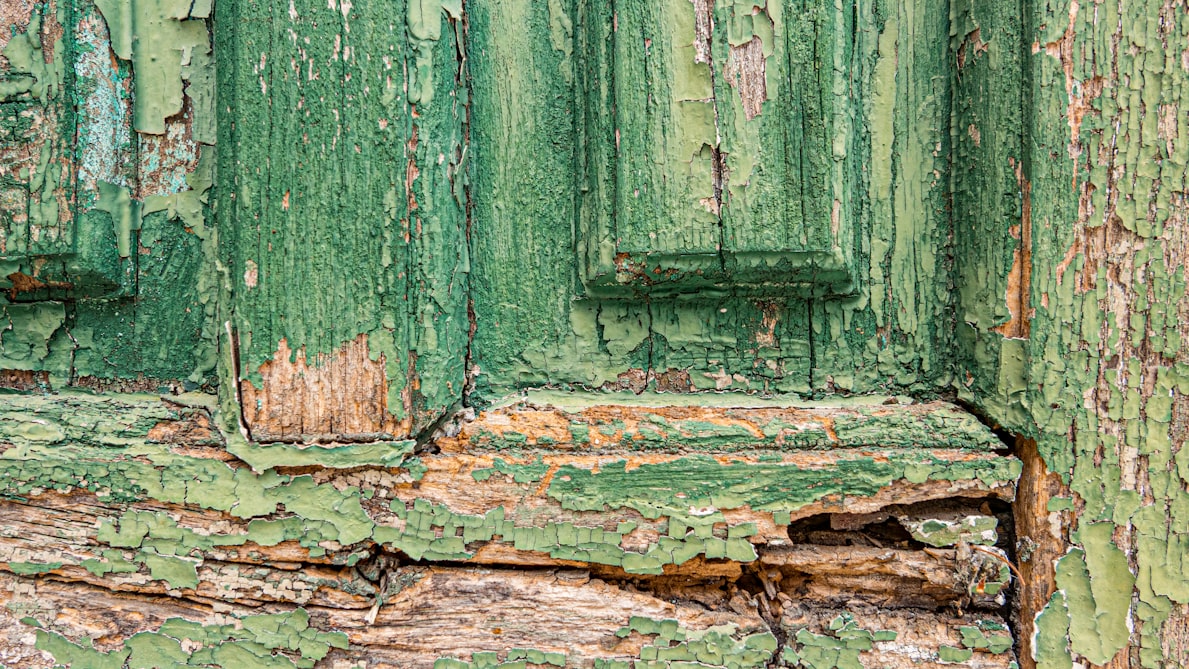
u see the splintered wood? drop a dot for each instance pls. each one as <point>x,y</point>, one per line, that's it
<point>746,543</point>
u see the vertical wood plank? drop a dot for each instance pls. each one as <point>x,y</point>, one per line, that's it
<point>344,235</point>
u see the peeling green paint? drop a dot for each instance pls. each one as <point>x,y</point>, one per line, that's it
<point>73,442</point>
<point>25,54</point>
<point>158,37</point>
<point>370,206</point>
<point>707,484</point>
<point>840,648</point>
<point>950,532</point>
<point>1099,607</point>
<point>516,658</point>
<point>674,647</point>
<point>31,568</point>
<point>953,654</point>
<point>424,19</point>
<point>1092,159</point>
<point>990,636</point>
<point>530,473</point>
<point>547,162</point>
<point>136,311</point>
<point>262,457</point>
<point>272,641</point>
<point>719,646</point>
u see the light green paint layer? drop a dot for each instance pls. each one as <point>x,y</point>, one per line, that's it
<point>100,444</point>
<point>1101,377</point>
<point>268,641</point>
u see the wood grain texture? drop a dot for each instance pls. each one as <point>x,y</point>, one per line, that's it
<point>1084,350</point>
<point>343,217</point>
<point>434,613</point>
<point>579,542</point>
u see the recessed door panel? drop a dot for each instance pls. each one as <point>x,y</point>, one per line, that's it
<point>719,133</point>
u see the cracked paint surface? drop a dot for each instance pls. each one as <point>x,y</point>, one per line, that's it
<point>1058,309</point>
<point>157,469</point>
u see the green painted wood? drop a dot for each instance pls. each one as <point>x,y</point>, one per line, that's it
<point>529,328</point>
<point>46,239</point>
<point>537,319</point>
<point>720,124</point>
<point>991,199</point>
<point>666,124</point>
<point>1092,362</point>
<point>897,333</point>
<point>122,295</point>
<point>343,217</point>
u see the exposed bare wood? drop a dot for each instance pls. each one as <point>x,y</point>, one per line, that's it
<point>430,613</point>
<point>884,577</point>
<point>334,396</point>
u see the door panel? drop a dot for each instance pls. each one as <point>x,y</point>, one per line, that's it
<point>47,249</point>
<point>829,272</point>
<point>726,131</point>
<point>106,258</point>
<point>357,160</point>
<point>344,217</point>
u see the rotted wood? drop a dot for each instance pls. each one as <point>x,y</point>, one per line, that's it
<point>128,500</point>
<point>442,612</point>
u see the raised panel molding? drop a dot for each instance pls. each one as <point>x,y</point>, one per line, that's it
<point>713,148</point>
<point>48,249</point>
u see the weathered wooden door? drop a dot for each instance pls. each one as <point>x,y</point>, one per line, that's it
<point>612,333</point>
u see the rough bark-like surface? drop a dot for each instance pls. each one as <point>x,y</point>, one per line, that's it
<point>1095,372</point>
<point>127,501</point>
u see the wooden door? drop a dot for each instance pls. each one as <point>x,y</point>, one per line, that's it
<point>598,333</point>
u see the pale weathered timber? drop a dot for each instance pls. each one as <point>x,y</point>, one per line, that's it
<point>427,613</point>
<point>560,617</point>
<point>875,637</point>
<point>885,577</point>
